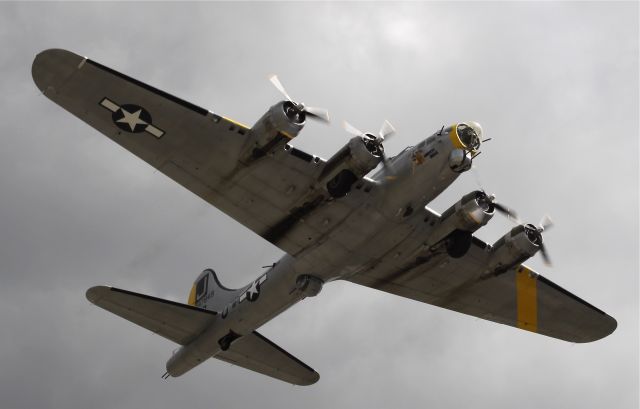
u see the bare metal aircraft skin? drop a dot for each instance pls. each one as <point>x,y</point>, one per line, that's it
<point>332,220</point>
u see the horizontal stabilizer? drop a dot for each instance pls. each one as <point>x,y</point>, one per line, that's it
<point>257,353</point>
<point>177,322</point>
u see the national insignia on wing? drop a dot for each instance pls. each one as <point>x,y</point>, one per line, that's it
<point>131,118</point>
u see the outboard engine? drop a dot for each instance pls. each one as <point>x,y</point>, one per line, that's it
<point>518,245</point>
<point>281,123</point>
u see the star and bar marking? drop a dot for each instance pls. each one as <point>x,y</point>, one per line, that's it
<point>131,118</point>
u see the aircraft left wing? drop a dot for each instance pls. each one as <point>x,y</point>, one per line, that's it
<point>195,147</point>
<point>257,353</point>
<point>518,297</point>
<point>177,322</point>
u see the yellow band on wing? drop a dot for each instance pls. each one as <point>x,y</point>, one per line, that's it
<point>455,139</point>
<point>192,296</point>
<point>527,299</point>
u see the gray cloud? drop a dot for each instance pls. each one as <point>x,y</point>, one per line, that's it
<point>555,85</point>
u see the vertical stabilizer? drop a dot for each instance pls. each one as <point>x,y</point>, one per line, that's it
<point>208,293</point>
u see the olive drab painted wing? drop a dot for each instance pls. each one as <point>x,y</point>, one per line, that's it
<point>518,296</point>
<point>195,147</point>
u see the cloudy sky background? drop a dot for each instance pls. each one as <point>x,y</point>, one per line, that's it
<point>554,84</point>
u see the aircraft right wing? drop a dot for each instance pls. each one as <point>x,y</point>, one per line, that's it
<point>518,297</point>
<point>257,353</point>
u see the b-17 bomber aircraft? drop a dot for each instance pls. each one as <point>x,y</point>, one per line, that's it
<point>333,221</point>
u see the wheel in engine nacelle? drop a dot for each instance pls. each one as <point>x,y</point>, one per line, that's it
<point>340,185</point>
<point>458,243</point>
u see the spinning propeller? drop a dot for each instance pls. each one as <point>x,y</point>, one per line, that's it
<point>297,111</point>
<point>535,235</point>
<point>373,142</point>
<point>487,202</point>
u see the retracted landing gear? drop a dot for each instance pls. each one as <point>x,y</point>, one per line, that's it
<point>458,243</point>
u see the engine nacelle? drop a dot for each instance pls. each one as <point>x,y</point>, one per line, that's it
<point>357,158</point>
<point>275,128</point>
<point>470,213</point>
<point>519,244</point>
<point>309,286</point>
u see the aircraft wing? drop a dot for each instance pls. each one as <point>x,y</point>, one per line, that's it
<point>177,322</point>
<point>256,353</point>
<point>195,147</point>
<point>519,297</point>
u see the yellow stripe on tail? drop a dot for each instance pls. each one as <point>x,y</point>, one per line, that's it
<point>192,295</point>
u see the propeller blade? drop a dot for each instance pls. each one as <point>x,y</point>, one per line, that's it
<point>546,222</point>
<point>276,82</point>
<point>507,212</point>
<point>545,255</point>
<point>351,129</point>
<point>385,159</point>
<point>317,113</point>
<point>476,176</point>
<point>386,130</point>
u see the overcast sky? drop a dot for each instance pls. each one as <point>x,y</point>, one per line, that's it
<point>554,84</point>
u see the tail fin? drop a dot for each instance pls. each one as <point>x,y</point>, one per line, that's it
<point>208,293</point>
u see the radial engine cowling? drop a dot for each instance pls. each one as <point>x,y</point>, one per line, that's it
<point>357,158</point>
<point>279,124</point>
<point>518,245</point>
<point>473,211</point>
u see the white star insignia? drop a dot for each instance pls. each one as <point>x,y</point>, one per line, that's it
<point>253,289</point>
<point>132,119</point>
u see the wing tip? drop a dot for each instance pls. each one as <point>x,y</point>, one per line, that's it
<point>94,294</point>
<point>52,67</point>
<point>313,378</point>
<point>606,328</point>
<point>595,331</point>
